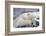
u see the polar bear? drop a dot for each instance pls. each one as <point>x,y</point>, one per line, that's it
<point>24,19</point>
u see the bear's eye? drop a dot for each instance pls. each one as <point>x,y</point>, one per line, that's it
<point>32,23</point>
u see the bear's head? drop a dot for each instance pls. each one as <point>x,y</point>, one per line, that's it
<point>28,16</point>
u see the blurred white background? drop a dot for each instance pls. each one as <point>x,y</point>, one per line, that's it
<point>2,17</point>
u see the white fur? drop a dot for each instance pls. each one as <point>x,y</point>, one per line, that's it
<point>24,19</point>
